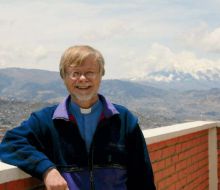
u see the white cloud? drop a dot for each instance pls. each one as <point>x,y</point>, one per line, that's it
<point>40,53</point>
<point>27,57</point>
<point>160,57</point>
<point>34,34</point>
<point>203,38</point>
<point>211,41</point>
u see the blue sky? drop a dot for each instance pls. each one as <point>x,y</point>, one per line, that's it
<point>135,37</point>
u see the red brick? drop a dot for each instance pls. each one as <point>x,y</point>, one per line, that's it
<point>187,145</point>
<point>158,165</point>
<point>158,175</point>
<point>171,142</point>
<point>175,159</point>
<point>169,171</point>
<point>156,146</point>
<point>184,155</point>
<point>15,185</point>
<point>168,162</point>
<point>161,185</point>
<point>169,151</point>
<point>172,179</point>
<point>172,187</point>
<point>181,165</point>
<point>178,147</point>
<point>22,184</point>
<point>155,156</point>
<point>182,182</point>
<point>2,187</point>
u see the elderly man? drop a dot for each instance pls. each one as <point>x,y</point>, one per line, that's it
<point>85,142</point>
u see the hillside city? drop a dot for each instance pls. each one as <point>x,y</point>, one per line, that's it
<point>23,91</point>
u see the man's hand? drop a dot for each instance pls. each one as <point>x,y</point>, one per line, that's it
<point>54,181</point>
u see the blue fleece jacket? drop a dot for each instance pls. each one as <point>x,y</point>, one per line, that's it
<point>117,158</point>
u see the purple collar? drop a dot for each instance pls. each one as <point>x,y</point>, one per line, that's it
<point>62,112</point>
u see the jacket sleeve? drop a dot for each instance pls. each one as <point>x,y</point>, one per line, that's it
<point>23,147</point>
<point>140,173</point>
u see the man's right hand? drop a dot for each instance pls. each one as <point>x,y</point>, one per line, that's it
<point>54,181</point>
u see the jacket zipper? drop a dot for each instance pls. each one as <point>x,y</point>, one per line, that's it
<point>91,176</point>
<point>91,154</point>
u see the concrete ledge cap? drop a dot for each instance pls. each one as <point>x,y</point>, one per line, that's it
<point>10,173</point>
<point>163,133</point>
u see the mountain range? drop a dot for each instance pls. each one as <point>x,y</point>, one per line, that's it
<point>155,103</point>
<point>182,80</point>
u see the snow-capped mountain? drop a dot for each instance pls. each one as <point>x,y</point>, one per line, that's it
<point>163,75</point>
<point>183,80</point>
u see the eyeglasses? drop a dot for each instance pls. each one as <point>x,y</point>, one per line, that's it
<point>77,75</point>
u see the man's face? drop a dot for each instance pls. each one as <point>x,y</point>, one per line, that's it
<point>83,81</point>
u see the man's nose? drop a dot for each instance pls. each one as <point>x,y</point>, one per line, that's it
<point>82,77</point>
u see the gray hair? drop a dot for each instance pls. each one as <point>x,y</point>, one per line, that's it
<point>76,55</point>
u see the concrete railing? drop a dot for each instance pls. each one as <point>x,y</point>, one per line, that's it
<point>184,156</point>
<point>12,178</point>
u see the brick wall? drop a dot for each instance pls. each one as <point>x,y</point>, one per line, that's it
<point>218,147</point>
<point>22,184</point>
<point>182,162</point>
<point>179,163</point>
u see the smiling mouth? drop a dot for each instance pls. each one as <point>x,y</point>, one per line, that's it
<point>83,87</point>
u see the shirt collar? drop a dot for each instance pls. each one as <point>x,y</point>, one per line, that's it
<point>62,111</point>
<point>75,108</point>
